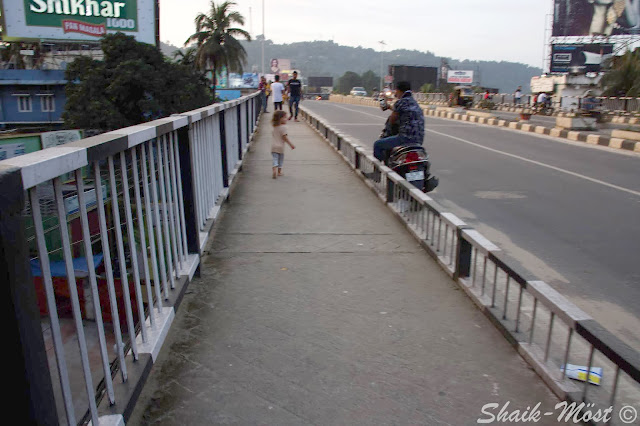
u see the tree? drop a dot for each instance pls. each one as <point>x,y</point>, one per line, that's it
<point>624,77</point>
<point>427,88</point>
<point>186,57</point>
<point>216,41</point>
<point>133,84</point>
<point>370,81</point>
<point>347,81</point>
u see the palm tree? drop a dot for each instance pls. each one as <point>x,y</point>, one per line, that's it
<point>216,41</point>
<point>624,77</point>
<point>185,57</point>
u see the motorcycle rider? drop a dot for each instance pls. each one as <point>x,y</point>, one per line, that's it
<point>410,119</point>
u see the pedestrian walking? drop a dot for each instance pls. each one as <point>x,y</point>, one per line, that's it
<point>278,140</point>
<point>294,90</point>
<point>263,92</point>
<point>277,89</point>
<point>268,93</point>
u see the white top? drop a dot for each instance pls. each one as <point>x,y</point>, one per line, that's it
<point>277,88</point>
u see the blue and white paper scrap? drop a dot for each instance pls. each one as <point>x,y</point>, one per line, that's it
<point>579,372</point>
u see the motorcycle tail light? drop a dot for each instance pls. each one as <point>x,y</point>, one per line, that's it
<point>411,157</point>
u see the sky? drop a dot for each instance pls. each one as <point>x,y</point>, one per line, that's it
<point>492,30</point>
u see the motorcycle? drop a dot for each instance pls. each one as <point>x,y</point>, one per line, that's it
<point>542,109</point>
<point>409,161</point>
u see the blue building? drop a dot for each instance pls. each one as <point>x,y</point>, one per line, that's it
<point>31,98</point>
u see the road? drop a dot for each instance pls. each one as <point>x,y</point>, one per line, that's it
<point>565,211</point>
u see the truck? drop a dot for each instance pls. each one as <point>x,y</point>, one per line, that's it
<point>319,87</point>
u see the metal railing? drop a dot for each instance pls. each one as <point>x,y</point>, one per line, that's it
<point>100,238</point>
<point>547,330</point>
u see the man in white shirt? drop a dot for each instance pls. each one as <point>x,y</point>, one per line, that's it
<point>542,98</point>
<point>277,88</point>
<point>518,95</point>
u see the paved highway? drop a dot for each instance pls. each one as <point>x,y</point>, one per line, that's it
<point>565,211</point>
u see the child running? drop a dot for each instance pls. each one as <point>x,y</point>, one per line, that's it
<point>279,139</point>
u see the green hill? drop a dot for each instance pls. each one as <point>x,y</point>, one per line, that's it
<point>326,58</point>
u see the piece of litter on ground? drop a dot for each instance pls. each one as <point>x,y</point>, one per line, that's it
<point>360,244</point>
<point>270,408</point>
<point>345,292</point>
<point>283,269</point>
<point>230,365</point>
<point>579,372</point>
<point>383,313</point>
<point>390,326</point>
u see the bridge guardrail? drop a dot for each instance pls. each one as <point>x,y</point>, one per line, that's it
<point>525,310</point>
<point>110,230</point>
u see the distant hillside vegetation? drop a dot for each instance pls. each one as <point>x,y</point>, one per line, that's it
<point>326,58</point>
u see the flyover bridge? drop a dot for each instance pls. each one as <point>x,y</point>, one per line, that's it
<point>165,278</point>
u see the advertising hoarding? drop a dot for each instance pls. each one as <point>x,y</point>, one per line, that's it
<point>579,58</point>
<point>459,77</point>
<point>78,20</point>
<point>278,65</point>
<point>59,137</point>
<point>10,150</point>
<point>245,80</point>
<point>542,84</point>
<point>417,76</point>
<point>573,18</point>
<point>320,82</point>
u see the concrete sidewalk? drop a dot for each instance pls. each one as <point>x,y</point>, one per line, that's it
<point>316,306</point>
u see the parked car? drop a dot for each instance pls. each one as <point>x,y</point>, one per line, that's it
<point>358,91</point>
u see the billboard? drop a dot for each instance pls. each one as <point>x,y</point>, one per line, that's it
<point>460,77</point>
<point>573,18</point>
<point>277,66</point>
<point>78,20</point>
<point>320,82</point>
<point>245,80</point>
<point>542,84</point>
<point>579,58</point>
<point>417,76</point>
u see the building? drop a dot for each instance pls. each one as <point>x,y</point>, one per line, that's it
<point>31,98</point>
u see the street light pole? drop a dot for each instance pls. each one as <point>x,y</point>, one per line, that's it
<point>263,37</point>
<point>381,64</point>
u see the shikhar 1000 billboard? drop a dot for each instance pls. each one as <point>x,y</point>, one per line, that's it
<point>78,19</point>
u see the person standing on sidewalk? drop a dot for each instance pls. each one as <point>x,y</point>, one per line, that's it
<point>277,88</point>
<point>294,89</point>
<point>263,93</point>
<point>518,95</point>
<point>278,139</point>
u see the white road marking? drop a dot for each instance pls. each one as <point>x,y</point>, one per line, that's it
<point>538,163</point>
